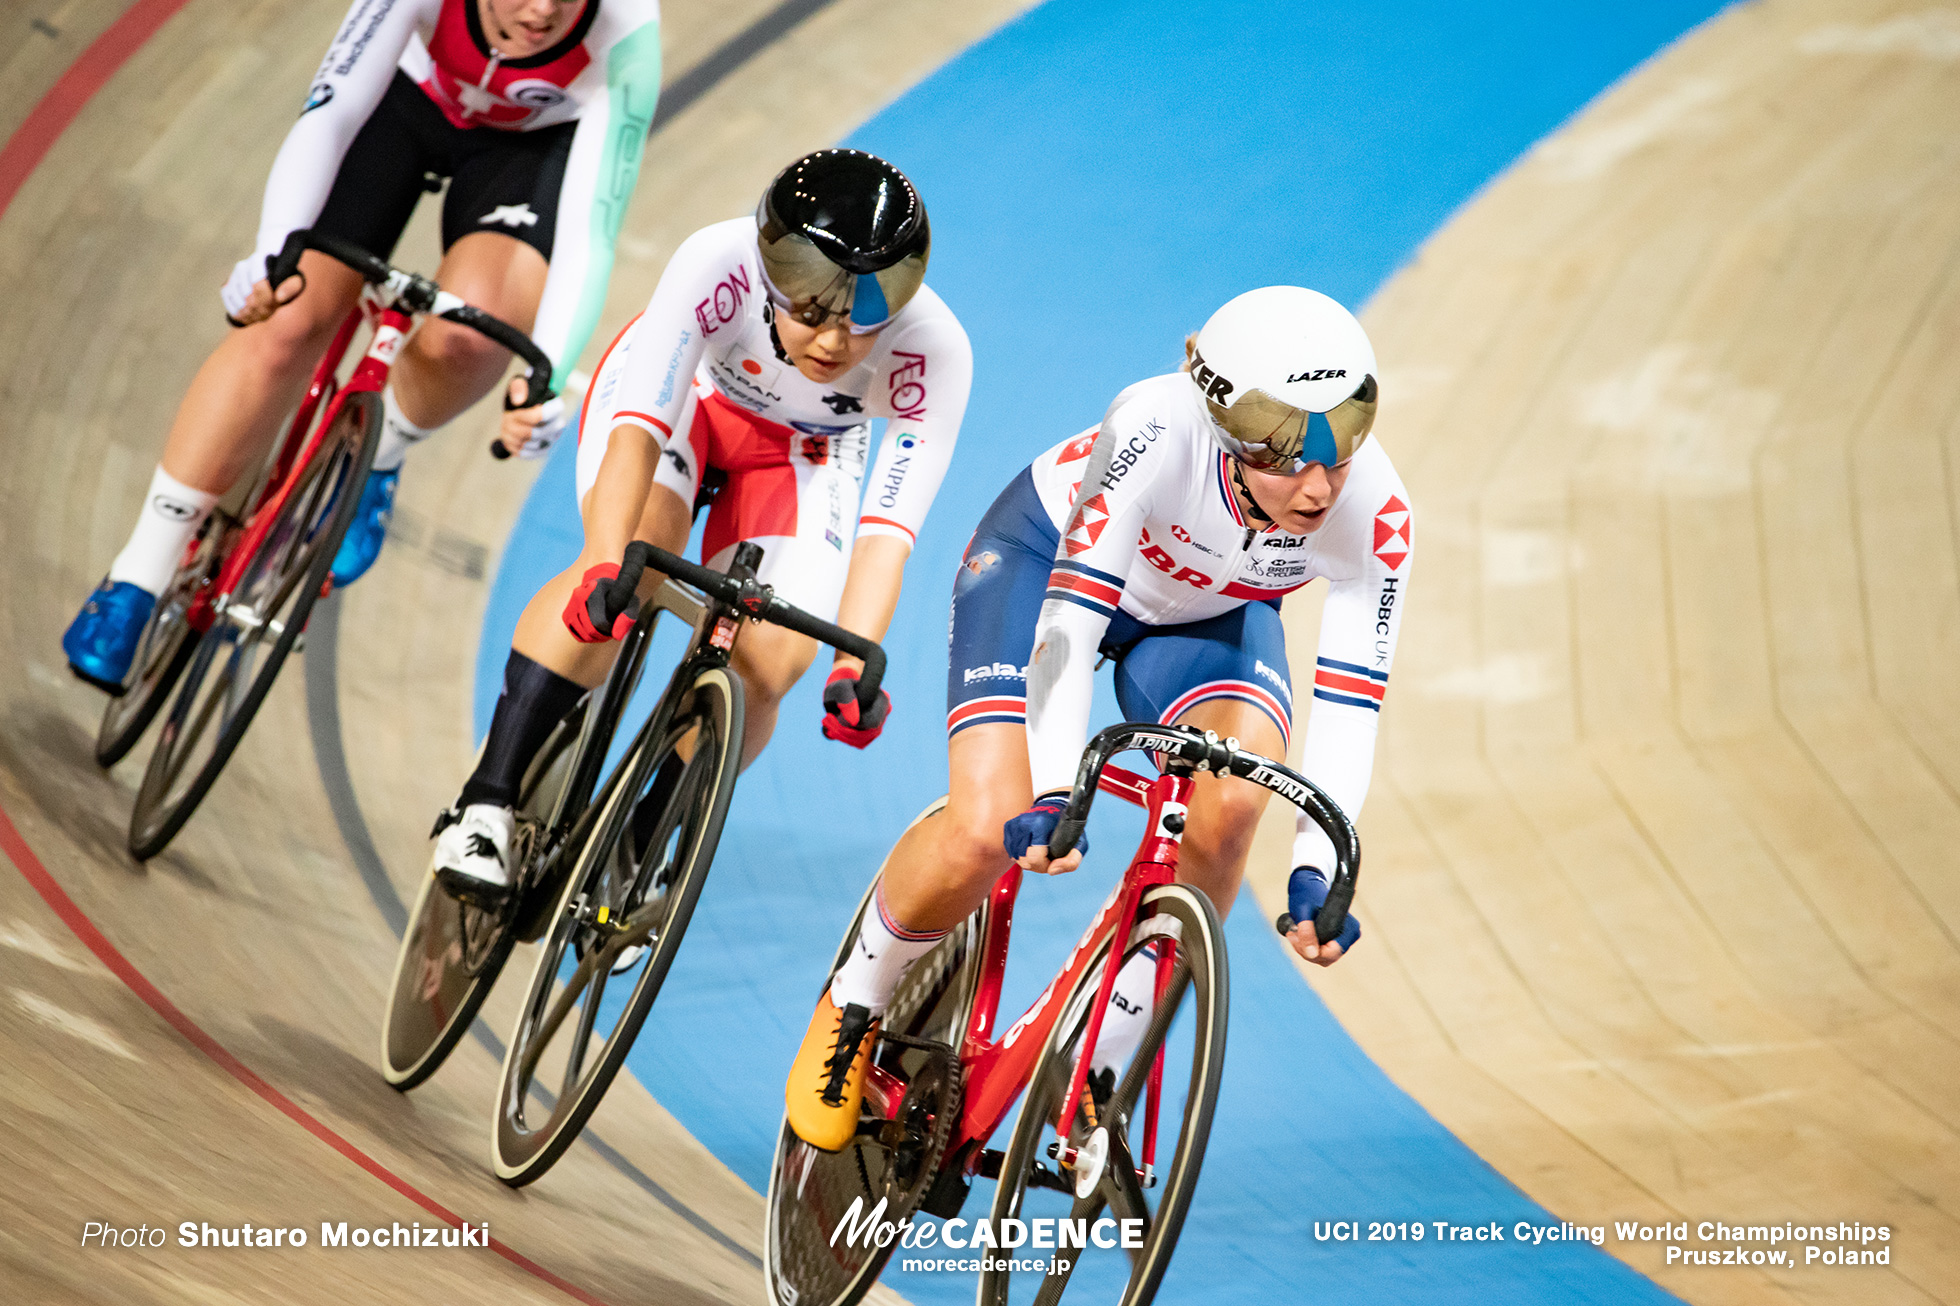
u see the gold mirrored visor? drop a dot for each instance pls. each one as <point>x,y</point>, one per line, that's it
<point>803,281</point>
<point>1264,433</point>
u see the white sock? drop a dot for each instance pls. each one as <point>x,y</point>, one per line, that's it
<point>397,433</point>
<point>172,512</point>
<point>884,950</point>
<point>1129,1012</point>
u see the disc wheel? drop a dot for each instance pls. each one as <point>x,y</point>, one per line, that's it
<point>617,927</point>
<point>897,1162</point>
<point>165,647</point>
<point>451,953</point>
<point>234,663</point>
<point>1188,1023</point>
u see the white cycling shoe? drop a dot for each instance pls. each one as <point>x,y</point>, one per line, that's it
<point>472,860</point>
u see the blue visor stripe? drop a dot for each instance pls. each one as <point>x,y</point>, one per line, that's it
<point>1319,446</point>
<point>868,305</point>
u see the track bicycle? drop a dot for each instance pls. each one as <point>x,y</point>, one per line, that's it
<point>606,874</point>
<point>937,1088</point>
<point>240,598</point>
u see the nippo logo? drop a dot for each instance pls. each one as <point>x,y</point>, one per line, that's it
<point>1392,533</point>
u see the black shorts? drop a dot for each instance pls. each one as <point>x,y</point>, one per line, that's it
<point>501,181</point>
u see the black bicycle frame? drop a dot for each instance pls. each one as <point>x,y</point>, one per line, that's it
<point>728,599</point>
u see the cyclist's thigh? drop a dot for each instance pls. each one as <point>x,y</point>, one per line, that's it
<point>502,276</point>
<point>997,598</point>
<point>801,517</point>
<point>1238,656</point>
<point>381,176</point>
<point>681,461</point>
<point>508,183</point>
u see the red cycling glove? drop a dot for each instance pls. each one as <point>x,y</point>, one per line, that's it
<point>841,719</point>
<point>586,614</point>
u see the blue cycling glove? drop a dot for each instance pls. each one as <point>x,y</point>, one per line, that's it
<point>1037,826</point>
<point>1305,891</point>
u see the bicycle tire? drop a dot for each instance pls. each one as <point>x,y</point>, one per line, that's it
<point>690,817</point>
<point>435,992</point>
<point>162,652</point>
<point>287,576</point>
<point>808,1188</point>
<point>1201,974</point>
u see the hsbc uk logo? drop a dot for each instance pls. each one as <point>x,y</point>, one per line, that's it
<point>1392,533</point>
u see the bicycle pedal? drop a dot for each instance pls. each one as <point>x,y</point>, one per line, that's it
<point>472,892</point>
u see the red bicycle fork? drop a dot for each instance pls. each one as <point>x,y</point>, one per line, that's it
<point>998,1072</point>
<point>391,327</point>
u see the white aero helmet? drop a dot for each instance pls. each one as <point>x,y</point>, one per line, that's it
<point>1288,377</point>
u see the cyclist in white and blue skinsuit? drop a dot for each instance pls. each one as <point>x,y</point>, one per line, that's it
<point>1163,539</point>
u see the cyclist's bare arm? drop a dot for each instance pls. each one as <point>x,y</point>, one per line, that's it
<point>871,589</point>
<point>618,500</point>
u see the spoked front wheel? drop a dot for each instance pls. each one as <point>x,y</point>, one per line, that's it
<point>902,1162</point>
<point>451,953</point>
<point>236,660</point>
<point>165,648</point>
<point>1110,1180</point>
<point>617,927</point>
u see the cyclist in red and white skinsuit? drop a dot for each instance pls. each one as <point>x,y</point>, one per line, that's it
<point>1163,540</point>
<point>767,348</point>
<point>536,111</point>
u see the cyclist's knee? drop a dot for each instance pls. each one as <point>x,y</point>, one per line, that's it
<point>771,664</point>
<point>293,338</point>
<point>457,350</point>
<point>1225,817</point>
<point>971,842</point>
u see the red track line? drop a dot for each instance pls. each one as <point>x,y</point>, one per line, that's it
<point>64,100</point>
<point>19,157</point>
<point>85,929</point>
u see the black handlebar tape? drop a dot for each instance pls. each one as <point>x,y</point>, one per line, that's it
<point>284,265</point>
<point>1068,833</point>
<point>721,586</point>
<point>621,588</point>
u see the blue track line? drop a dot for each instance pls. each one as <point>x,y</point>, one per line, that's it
<point>1100,177</point>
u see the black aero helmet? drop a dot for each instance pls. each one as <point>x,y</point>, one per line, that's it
<point>843,234</point>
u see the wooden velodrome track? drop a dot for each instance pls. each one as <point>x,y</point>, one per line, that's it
<point>1661,886</point>
<point>1663,853</point>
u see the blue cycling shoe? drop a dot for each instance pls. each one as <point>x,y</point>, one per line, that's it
<point>362,543</point>
<point>101,641</point>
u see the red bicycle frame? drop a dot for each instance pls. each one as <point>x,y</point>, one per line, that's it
<point>997,1072</point>
<point>298,448</point>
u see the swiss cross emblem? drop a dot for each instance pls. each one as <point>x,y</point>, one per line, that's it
<point>1078,447</point>
<point>1088,525</point>
<point>1392,532</point>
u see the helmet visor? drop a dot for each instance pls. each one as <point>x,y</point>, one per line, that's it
<point>803,281</point>
<point>1271,436</point>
